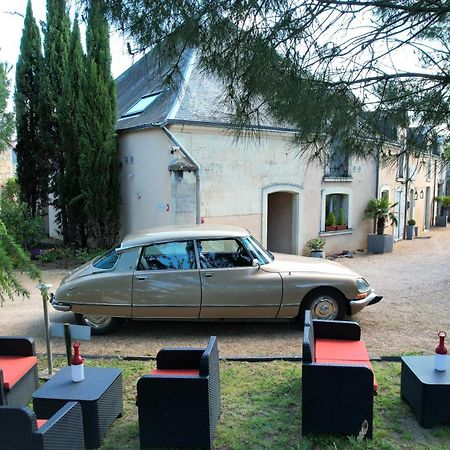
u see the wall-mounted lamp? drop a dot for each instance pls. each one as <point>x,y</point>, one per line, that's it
<point>421,194</point>
<point>416,195</point>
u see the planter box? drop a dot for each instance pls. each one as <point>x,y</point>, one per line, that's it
<point>380,243</point>
<point>410,232</point>
<point>317,254</point>
<point>330,227</point>
<point>440,221</point>
<point>341,227</point>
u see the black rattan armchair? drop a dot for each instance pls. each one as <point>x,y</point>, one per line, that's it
<point>63,431</point>
<point>18,370</point>
<point>337,395</point>
<point>179,402</point>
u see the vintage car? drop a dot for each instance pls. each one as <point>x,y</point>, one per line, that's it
<point>206,272</point>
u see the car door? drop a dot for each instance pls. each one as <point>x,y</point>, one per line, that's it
<point>166,282</point>
<point>231,286</point>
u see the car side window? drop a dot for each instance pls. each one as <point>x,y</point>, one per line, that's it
<point>222,253</point>
<point>178,255</point>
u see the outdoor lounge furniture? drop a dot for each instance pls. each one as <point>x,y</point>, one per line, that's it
<point>100,395</point>
<point>18,370</point>
<point>338,384</point>
<point>20,430</point>
<point>179,402</point>
<point>426,390</point>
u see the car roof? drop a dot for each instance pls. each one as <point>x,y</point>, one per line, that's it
<point>182,232</point>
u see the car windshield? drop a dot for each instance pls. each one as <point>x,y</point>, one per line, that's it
<point>107,260</point>
<point>257,250</point>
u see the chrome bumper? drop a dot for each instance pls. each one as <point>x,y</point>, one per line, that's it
<point>59,306</point>
<point>358,305</point>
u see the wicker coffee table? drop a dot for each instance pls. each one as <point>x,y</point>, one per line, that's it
<point>100,396</point>
<point>426,390</point>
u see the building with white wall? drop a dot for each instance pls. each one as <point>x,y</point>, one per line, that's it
<point>181,163</point>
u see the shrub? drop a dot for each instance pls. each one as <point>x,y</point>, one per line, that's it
<point>341,217</point>
<point>316,245</point>
<point>26,230</point>
<point>330,220</point>
<point>411,222</point>
<point>380,210</point>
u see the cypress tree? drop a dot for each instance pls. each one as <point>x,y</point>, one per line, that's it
<point>56,47</point>
<point>99,161</point>
<point>71,131</point>
<point>32,163</point>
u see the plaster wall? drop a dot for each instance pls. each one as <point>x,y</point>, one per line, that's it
<point>419,175</point>
<point>145,180</point>
<point>235,174</point>
<point>360,188</point>
<point>236,177</point>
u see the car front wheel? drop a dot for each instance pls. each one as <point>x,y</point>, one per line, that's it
<point>325,304</point>
<point>99,324</point>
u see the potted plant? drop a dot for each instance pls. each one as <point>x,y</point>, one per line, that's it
<point>443,206</point>
<point>410,229</point>
<point>380,210</point>
<point>340,222</point>
<point>330,222</point>
<point>315,247</point>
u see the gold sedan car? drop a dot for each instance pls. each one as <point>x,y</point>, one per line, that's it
<point>206,272</point>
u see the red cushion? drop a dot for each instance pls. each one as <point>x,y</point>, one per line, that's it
<point>341,350</point>
<point>15,367</point>
<point>40,422</point>
<point>191,372</point>
<point>353,363</point>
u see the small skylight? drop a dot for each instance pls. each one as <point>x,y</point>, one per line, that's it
<point>142,104</point>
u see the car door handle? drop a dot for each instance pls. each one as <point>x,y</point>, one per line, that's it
<point>208,274</point>
<point>141,277</point>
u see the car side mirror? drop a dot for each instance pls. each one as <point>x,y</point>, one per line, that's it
<point>255,263</point>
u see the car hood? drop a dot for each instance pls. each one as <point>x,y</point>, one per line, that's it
<point>292,263</point>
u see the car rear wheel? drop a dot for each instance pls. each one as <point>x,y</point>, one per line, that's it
<point>325,304</point>
<point>99,324</point>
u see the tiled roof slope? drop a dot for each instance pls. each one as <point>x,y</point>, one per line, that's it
<point>193,96</point>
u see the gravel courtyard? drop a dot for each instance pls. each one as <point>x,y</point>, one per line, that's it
<point>414,281</point>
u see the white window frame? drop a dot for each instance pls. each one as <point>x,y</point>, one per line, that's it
<point>341,191</point>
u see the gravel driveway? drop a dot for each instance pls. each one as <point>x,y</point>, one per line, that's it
<point>414,280</point>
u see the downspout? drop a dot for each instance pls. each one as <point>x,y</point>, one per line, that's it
<point>196,172</point>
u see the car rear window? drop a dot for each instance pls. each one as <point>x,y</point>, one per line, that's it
<point>107,260</point>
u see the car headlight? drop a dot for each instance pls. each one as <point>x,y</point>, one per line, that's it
<point>362,285</point>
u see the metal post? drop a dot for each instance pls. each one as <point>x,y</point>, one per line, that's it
<point>68,340</point>
<point>45,298</point>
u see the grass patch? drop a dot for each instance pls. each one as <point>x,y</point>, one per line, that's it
<point>261,409</point>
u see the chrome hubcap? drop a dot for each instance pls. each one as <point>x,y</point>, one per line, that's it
<point>97,321</point>
<point>325,308</point>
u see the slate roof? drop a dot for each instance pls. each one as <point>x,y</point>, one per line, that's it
<point>192,96</point>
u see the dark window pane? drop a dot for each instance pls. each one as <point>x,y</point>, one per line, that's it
<point>168,256</point>
<point>106,261</point>
<point>223,253</point>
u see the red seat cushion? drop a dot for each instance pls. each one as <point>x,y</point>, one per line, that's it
<point>15,367</point>
<point>192,372</point>
<point>40,422</point>
<point>341,350</point>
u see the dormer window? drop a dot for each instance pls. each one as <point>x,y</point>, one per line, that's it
<point>141,105</point>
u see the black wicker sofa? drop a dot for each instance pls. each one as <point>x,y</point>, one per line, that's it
<point>179,402</point>
<point>338,384</point>
<point>18,370</point>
